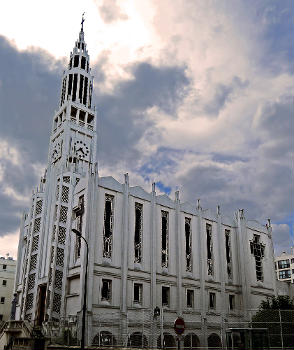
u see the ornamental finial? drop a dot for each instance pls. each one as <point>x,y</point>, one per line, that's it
<point>82,23</point>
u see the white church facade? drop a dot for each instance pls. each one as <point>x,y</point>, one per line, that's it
<point>146,251</point>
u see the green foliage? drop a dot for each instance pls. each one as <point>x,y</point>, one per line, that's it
<point>276,314</point>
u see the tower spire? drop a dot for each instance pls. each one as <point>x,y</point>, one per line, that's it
<point>82,23</point>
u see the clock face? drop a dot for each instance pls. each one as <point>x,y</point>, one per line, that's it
<point>56,153</point>
<point>81,150</point>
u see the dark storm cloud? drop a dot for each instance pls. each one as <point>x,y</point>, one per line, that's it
<point>29,93</point>
<point>29,90</point>
<point>223,94</point>
<point>122,121</point>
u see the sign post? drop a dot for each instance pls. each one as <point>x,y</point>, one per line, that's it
<point>179,327</point>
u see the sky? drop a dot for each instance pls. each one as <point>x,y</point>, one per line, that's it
<point>194,95</point>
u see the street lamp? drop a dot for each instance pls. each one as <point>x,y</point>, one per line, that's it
<point>78,233</point>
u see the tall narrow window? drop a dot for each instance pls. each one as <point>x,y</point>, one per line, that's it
<point>165,296</point>
<point>138,232</point>
<point>81,88</point>
<point>188,241</point>
<point>190,298</point>
<point>79,214</point>
<point>69,84</point>
<point>85,91</point>
<point>231,302</point>
<point>228,253</point>
<point>76,61</point>
<point>74,89</point>
<point>108,226</point>
<point>212,300</point>
<point>106,290</point>
<point>164,238</point>
<point>138,289</point>
<point>257,249</point>
<point>209,250</point>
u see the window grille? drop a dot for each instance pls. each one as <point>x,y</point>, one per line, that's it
<point>228,253</point>
<point>58,279</point>
<point>33,263</point>
<point>39,207</point>
<point>48,296</point>
<point>61,235</point>
<point>56,302</point>
<point>57,192</point>
<point>29,301</point>
<point>66,179</point>
<point>60,257</point>
<point>138,232</point>
<point>108,226</point>
<point>210,267</point>
<point>50,277</point>
<point>35,243</point>
<point>257,249</point>
<point>63,214</point>
<point>52,255</point>
<point>188,240</point>
<point>53,233</point>
<point>37,225</point>
<point>164,238</point>
<point>31,281</point>
<point>65,194</point>
<point>28,317</point>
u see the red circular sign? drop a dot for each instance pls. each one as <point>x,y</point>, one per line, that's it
<point>179,325</point>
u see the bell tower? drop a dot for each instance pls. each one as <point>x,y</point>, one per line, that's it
<point>73,137</point>
<point>46,229</point>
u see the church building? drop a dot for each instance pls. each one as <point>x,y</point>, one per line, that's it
<point>152,258</point>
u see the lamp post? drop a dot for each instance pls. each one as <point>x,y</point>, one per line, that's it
<point>78,233</point>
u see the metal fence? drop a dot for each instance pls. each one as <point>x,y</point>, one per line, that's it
<point>143,330</point>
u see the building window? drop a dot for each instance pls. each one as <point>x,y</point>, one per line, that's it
<point>4,282</point>
<point>284,264</point>
<point>231,302</point>
<point>108,226</point>
<point>188,240</point>
<point>1,317</point>
<point>212,300</point>
<point>209,249</point>
<point>292,261</point>
<point>284,274</point>
<point>2,300</point>
<point>190,298</point>
<point>138,232</point>
<point>164,238</point>
<point>165,296</point>
<point>138,291</point>
<point>79,215</point>
<point>228,253</point>
<point>257,249</point>
<point>4,267</point>
<point>106,290</point>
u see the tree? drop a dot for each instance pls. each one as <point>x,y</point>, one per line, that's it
<point>276,314</point>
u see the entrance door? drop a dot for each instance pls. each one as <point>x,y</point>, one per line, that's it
<point>41,304</point>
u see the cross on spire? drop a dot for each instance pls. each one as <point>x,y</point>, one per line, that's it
<point>82,23</point>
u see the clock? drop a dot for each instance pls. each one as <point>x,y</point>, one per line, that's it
<point>81,150</point>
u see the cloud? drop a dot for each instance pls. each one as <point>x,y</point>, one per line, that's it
<point>281,238</point>
<point>111,12</point>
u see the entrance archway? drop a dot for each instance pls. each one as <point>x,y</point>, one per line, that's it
<point>191,341</point>
<point>214,342</point>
